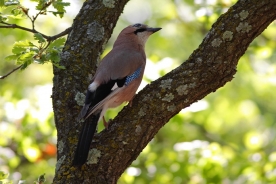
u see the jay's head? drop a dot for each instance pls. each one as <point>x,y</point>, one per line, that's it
<point>138,32</point>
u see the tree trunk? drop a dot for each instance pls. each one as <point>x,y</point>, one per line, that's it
<point>208,68</point>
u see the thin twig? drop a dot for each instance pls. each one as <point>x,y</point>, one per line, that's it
<point>15,26</point>
<point>33,19</point>
<point>40,12</point>
<point>26,13</point>
<point>4,76</point>
<point>63,33</point>
<point>48,38</point>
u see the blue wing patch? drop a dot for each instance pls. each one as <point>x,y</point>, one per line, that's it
<point>133,76</point>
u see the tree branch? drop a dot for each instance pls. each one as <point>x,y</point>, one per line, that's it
<point>63,33</point>
<point>48,38</point>
<point>15,69</point>
<point>208,68</point>
<point>15,26</point>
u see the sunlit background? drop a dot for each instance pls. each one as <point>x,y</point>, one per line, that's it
<point>228,137</point>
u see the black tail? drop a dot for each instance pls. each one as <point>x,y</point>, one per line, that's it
<point>85,138</point>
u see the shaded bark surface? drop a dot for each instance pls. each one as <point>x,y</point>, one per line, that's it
<point>208,68</point>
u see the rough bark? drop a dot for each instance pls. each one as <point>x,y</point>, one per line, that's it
<point>208,68</point>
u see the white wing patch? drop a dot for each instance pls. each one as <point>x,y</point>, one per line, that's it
<point>115,86</point>
<point>93,86</point>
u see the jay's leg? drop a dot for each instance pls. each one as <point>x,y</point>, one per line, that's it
<point>105,123</point>
<point>130,102</point>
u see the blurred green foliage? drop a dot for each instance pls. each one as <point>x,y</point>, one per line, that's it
<point>228,137</point>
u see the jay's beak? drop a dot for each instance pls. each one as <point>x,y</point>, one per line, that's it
<point>153,30</point>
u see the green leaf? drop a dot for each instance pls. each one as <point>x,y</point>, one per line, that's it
<point>31,44</point>
<point>39,38</point>
<point>57,13</point>
<point>41,4</point>
<point>16,11</point>
<point>26,56</point>
<point>18,50</point>
<point>23,53</point>
<point>24,66</point>
<point>59,43</point>
<point>21,46</point>
<point>53,55</point>
<point>59,66</point>
<point>60,7</point>
<point>26,59</point>
<point>11,57</point>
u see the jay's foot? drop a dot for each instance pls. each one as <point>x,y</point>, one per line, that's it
<point>130,102</point>
<point>105,123</point>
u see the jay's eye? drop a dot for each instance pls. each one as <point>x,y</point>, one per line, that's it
<point>137,25</point>
<point>139,30</point>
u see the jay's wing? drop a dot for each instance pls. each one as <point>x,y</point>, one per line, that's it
<point>94,97</point>
<point>111,71</point>
<point>124,92</point>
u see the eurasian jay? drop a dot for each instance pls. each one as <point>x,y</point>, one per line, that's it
<point>116,80</point>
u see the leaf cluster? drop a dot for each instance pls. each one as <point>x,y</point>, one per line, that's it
<point>42,7</point>
<point>44,48</point>
<point>26,52</point>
